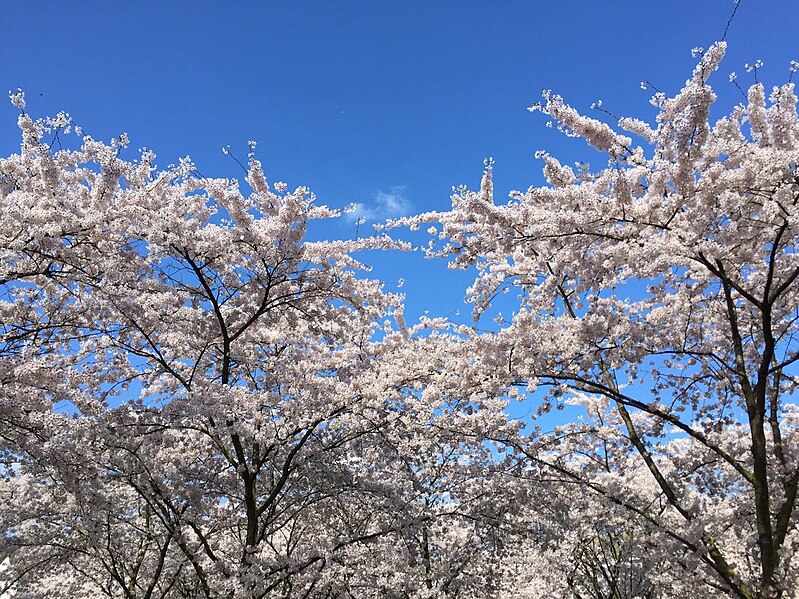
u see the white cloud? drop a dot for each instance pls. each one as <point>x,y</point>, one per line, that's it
<point>386,204</point>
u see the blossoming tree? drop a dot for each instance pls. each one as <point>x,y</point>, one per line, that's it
<point>196,401</point>
<point>658,304</point>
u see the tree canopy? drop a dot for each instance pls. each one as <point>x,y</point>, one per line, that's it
<point>199,401</point>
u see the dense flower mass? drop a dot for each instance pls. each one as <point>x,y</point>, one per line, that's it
<point>197,401</point>
<point>659,298</point>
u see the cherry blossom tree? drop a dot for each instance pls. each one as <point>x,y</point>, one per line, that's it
<point>658,308</point>
<point>197,401</point>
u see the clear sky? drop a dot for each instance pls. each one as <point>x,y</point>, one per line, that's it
<point>387,104</point>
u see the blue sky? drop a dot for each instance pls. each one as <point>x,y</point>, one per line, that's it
<point>382,104</point>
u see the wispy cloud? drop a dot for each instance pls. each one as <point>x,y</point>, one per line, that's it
<point>385,205</point>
